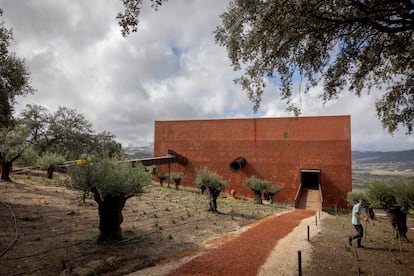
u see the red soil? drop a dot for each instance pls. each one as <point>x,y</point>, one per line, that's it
<point>245,254</point>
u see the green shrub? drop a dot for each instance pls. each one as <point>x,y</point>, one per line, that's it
<point>256,184</point>
<point>162,176</point>
<point>177,177</point>
<point>112,184</point>
<point>271,190</point>
<point>52,160</point>
<point>209,179</point>
<point>214,183</point>
<point>354,196</point>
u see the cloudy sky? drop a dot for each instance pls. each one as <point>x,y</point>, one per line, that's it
<point>170,69</point>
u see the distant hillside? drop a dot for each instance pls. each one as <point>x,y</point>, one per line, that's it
<point>139,152</point>
<point>382,157</point>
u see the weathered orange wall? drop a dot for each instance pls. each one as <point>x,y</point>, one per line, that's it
<point>275,149</point>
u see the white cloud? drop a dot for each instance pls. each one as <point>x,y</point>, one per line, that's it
<point>170,69</point>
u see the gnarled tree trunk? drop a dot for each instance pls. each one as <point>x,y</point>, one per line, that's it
<point>110,216</point>
<point>50,171</point>
<point>398,220</point>
<point>177,183</point>
<point>257,197</point>
<point>5,170</point>
<point>213,195</point>
<point>7,165</point>
<point>270,198</point>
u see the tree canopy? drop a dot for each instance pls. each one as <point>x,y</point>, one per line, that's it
<point>109,177</point>
<point>257,185</point>
<point>14,77</point>
<point>112,184</point>
<point>66,132</point>
<point>348,45</point>
<point>129,19</point>
<point>209,179</point>
<point>352,45</point>
<point>394,195</point>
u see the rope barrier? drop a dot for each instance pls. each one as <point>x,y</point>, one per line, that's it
<point>7,248</point>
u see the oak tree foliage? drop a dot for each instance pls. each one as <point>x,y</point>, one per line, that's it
<point>66,132</point>
<point>129,19</point>
<point>347,45</point>
<point>352,45</point>
<point>14,77</point>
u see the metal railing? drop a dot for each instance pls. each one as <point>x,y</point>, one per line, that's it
<point>298,195</point>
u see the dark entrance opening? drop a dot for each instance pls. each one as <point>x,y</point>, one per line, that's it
<point>310,179</point>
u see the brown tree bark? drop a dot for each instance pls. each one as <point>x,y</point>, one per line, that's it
<point>7,165</point>
<point>258,197</point>
<point>5,170</point>
<point>50,171</point>
<point>270,196</point>
<point>398,220</point>
<point>110,216</point>
<point>213,195</point>
<point>177,183</point>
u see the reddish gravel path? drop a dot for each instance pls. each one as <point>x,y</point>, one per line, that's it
<point>245,254</point>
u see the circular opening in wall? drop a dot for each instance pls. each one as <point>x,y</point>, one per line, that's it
<point>237,164</point>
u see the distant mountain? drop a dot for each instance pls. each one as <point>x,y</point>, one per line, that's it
<point>382,156</point>
<point>139,152</point>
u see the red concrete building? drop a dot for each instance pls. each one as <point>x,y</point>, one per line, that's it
<point>296,153</point>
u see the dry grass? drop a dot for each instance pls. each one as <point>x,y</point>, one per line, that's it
<point>58,232</point>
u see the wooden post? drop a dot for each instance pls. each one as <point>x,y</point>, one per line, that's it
<point>169,173</point>
<point>366,233</point>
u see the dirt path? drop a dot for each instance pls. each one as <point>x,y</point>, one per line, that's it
<point>245,254</point>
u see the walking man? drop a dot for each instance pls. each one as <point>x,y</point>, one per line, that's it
<point>356,222</point>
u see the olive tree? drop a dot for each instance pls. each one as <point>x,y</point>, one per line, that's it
<point>395,196</point>
<point>112,184</point>
<point>213,182</point>
<point>162,176</point>
<point>52,160</point>
<point>177,177</point>
<point>257,185</point>
<point>271,190</point>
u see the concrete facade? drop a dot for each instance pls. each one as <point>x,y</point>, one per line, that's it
<point>276,149</point>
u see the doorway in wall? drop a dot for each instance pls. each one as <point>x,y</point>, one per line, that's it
<point>310,179</point>
<point>309,196</point>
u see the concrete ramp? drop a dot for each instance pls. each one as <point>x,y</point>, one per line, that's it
<point>310,199</point>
